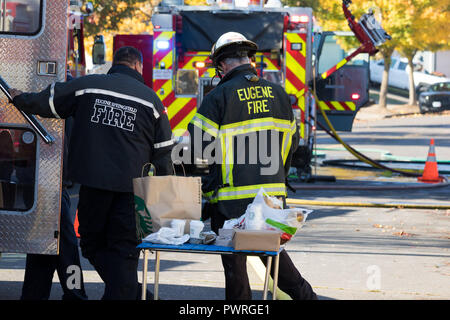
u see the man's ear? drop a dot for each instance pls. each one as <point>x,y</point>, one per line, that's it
<point>139,67</point>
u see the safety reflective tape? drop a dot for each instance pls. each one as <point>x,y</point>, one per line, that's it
<point>120,96</point>
<point>181,120</point>
<point>268,123</point>
<point>227,160</point>
<point>164,144</point>
<point>244,192</point>
<point>297,69</point>
<point>51,101</point>
<point>205,124</point>
<point>227,132</point>
<point>163,55</point>
<point>224,157</point>
<point>208,196</point>
<point>337,105</point>
<point>334,68</point>
<point>166,87</point>
<point>287,141</point>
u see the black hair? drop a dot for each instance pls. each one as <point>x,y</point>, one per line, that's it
<point>127,55</point>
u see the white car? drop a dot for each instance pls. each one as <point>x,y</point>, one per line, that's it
<point>399,74</point>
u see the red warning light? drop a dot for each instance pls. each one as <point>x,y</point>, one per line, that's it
<point>355,96</point>
<point>300,18</point>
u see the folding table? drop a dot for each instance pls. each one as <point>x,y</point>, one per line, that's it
<point>205,249</point>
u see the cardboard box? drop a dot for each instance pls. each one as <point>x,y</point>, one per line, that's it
<point>256,240</point>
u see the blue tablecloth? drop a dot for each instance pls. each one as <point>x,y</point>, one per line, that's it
<point>206,248</point>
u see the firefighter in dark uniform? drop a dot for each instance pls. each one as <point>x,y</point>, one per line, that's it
<point>249,134</point>
<point>40,268</point>
<point>119,125</point>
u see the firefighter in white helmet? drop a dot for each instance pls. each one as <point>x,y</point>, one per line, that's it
<point>247,118</point>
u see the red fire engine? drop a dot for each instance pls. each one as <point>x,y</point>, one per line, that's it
<point>178,68</point>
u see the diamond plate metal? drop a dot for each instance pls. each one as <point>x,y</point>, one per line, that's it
<point>33,232</point>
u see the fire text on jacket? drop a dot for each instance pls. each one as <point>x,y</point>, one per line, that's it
<point>114,114</point>
<point>256,97</point>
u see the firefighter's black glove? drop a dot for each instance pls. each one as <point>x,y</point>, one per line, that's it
<point>14,93</point>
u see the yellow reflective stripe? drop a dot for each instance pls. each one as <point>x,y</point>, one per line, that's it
<point>168,58</point>
<point>268,63</point>
<point>351,105</point>
<point>341,63</point>
<point>245,192</point>
<point>198,122</point>
<point>205,124</point>
<point>256,125</point>
<point>166,89</point>
<point>337,105</point>
<point>323,105</point>
<point>175,107</point>
<point>208,121</point>
<point>184,123</point>
<point>229,161</point>
<point>295,37</point>
<point>208,196</point>
<point>224,155</point>
<point>297,69</point>
<point>287,148</point>
<point>283,143</point>
<point>246,122</point>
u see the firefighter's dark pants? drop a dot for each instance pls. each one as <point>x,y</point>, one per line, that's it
<point>108,240</point>
<point>237,285</point>
<point>40,268</point>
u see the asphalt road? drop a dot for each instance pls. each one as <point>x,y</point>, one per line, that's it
<point>344,252</point>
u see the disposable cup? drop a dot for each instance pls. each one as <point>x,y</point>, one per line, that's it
<point>178,226</point>
<point>196,226</point>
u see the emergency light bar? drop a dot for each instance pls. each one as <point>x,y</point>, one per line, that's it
<point>199,64</point>
<point>299,18</point>
<point>162,44</point>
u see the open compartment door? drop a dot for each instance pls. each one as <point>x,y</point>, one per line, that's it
<point>33,52</point>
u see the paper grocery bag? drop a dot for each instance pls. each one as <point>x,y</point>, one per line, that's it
<point>159,199</point>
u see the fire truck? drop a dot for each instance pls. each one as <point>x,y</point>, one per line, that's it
<point>39,40</point>
<point>178,68</point>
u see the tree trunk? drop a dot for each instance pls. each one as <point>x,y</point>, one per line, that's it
<point>412,88</point>
<point>384,84</point>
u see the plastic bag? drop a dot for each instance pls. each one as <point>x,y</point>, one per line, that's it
<point>235,223</point>
<point>267,213</point>
<point>166,236</point>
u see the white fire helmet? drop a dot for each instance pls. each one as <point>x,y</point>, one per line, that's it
<point>232,44</point>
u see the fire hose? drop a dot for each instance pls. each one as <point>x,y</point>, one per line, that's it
<point>370,34</point>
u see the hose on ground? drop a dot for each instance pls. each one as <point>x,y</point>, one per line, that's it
<point>297,202</point>
<point>354,152</point>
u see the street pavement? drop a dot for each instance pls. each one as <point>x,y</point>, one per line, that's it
<point>352,253</point>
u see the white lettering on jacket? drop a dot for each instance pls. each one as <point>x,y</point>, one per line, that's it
<point>114,114</point>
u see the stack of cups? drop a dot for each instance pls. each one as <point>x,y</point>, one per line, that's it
<point>178,226</point>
